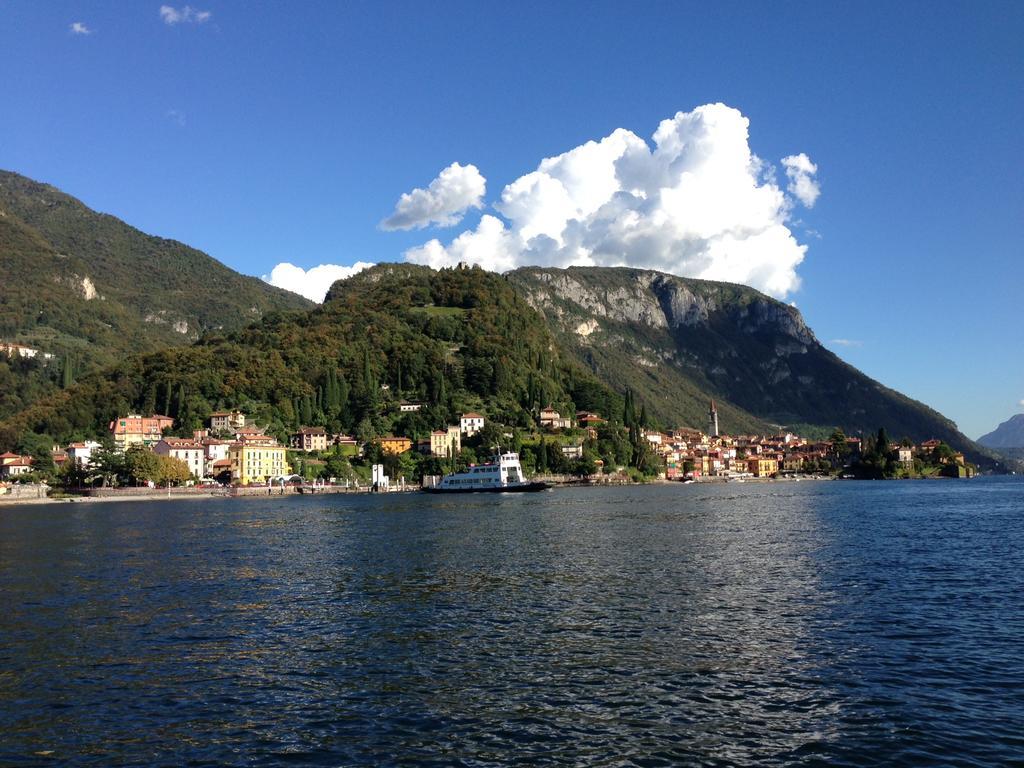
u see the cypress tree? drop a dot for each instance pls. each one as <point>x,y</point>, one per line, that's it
<point>342,393</point>
<point>367,374</point>
<point>67,374</point>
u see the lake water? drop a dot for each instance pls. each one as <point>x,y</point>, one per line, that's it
<point>785,623</point>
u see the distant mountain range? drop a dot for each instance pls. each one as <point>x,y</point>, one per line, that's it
<point>131,306</point>
<point>1009,434</point>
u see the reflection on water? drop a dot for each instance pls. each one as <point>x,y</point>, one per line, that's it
<point>856,623</point>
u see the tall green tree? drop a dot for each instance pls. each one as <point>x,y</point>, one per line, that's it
<point>67,374</point>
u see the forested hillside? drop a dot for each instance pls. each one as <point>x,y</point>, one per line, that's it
<point>455,340</point>
<point>88,289</point>
<point>466,339</point>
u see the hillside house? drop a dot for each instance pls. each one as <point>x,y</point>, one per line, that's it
<point>395,445</point>
<point>446,443</point>
<point>471,423</point>
<point>134,429</point>
<point>225,421</point>
<point>310,439</point>
<point>551,419</point>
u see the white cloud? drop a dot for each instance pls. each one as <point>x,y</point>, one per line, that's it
<point>185,15</point>
<point>698,204</point>
<point>802,185</point>
<point>455,190</point>
<point>312,283</point>
<point>847,342</point>
<point>1021,403</point>
<point>177,117</point>
<point>79,28</point>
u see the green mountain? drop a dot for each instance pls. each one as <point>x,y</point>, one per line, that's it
<point>454,340</point>
<point>678,342</point>
<point>466,339</point>
<point>88,289</point>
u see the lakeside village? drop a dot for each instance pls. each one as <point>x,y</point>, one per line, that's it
<point>139,454</point>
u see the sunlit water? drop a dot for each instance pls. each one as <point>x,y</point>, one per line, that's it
<point>787,623</point>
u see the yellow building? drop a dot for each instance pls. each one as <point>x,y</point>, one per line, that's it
<point>762,465</point>
<point>395,445</point>
<point>257,459</point>
<point>446,443</point>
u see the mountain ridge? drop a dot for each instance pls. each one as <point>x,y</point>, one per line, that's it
<point>89,285</point>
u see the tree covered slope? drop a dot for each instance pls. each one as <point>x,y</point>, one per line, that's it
<point>89,289</point>
<point>454,340</point>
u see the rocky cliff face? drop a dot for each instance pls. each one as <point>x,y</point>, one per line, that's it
<point>657,300</point>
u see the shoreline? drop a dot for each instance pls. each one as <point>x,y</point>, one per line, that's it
<point>148,495</point>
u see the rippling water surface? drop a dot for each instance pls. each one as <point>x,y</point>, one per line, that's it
<point>785,623</point>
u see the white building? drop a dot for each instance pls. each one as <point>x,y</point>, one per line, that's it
<point>213,451</point>
<point>471,423</point>
<point>81,453</point>
<point>11,349</point>
<point>188,451</point>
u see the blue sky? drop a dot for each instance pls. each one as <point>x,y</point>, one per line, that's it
<point>278,133</point>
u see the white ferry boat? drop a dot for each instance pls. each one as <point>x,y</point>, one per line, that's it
<point>503,474</point>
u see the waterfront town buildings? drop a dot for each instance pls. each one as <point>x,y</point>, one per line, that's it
<point>188,451</point>
<point>257,459</point>
<point>81,453</point>
<point>13,465</point>
<point>215,455</point>
<point>253,457</point>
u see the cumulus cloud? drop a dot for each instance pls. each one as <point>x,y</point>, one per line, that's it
<point>455,190</point>
<point>699,203</point>
<point>1021,403</point>
<point>312,283</point>
<point>185,15</point>
<point>847,342</point>
<point>801,172</point>
<point>79,28</point>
